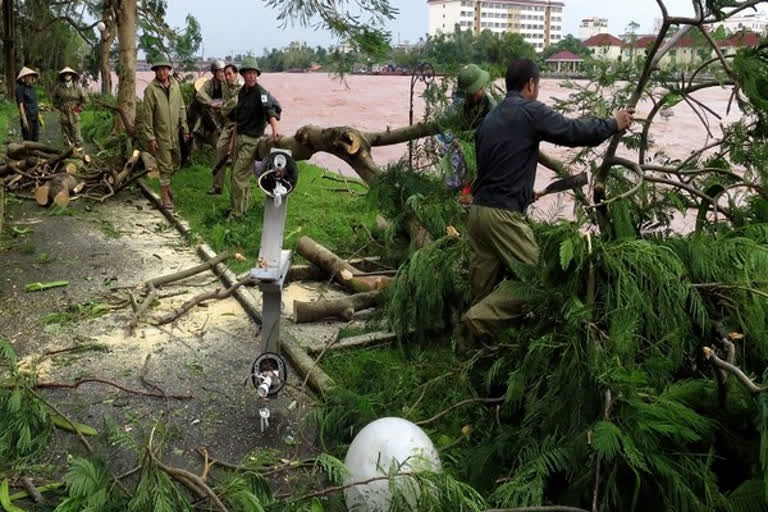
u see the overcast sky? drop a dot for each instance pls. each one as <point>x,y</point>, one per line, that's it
<point>242,25</point>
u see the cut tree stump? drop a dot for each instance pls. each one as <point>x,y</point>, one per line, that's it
<point>343,307</point>
<point>341,271</point>
<point>57,190</point>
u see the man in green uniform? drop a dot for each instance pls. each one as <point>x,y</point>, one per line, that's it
<point>255,109</point>
<point>164,117</point>
<point>69,98</point>
<point>507,145</point>
<point>225,142</point>
<point>471,103</point>
<point>209,98</point>
<point>473,85</point>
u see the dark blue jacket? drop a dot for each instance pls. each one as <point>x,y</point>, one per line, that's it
<point>507,146</point>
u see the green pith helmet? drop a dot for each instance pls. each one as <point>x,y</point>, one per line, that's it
<point>250,63</point>
<point>472,79</point>
<point>161,64</point>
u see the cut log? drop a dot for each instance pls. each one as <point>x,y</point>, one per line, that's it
<point>57,190</point>
<point>19,150</point>
<point>343,307</point>
<point>363,340</point>
<point>72,166</point>
<point>315,273</point>
<point>339,270</point>
<point>118,178</point>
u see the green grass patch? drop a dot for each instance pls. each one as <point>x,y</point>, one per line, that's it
<point>330,218</point>
<point>8,112</point>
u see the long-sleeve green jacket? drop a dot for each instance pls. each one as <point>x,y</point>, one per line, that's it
<point>164,113</point>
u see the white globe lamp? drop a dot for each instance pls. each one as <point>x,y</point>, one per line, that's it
<point>101,26</point>
<point>386,446</point>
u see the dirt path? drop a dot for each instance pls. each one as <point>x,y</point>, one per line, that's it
<point>104,251</point>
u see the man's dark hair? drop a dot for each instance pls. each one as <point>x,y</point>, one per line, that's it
<point>230,65</point>
<point>519,72</point>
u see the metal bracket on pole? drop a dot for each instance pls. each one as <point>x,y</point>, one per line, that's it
<point>274,261</point>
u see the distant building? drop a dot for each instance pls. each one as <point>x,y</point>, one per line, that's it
<point>540,22</point>
<point>605,46</point>
<point>751,21</point>
<point>565,62</point>
<point>686,52</point>
<point>590,27</point>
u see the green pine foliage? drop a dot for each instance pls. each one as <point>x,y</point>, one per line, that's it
<point>25,425</point>
<point>617,383</point>
<point>88,485</point>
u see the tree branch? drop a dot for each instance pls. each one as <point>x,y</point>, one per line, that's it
<point>78,383</point>
<point>710,355</point>
<point>460,404</point>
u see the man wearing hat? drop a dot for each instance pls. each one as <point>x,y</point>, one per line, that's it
<point>26,100</point>
<point>164,116</point>
<point>254,110</point>
<point>472,103</point>
<point>472,86</point>
<point>69,98</point>
<point>209,96</point>
<point>224,145</point>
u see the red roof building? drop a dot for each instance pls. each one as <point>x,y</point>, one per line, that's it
<point>603,40</point>
<point>564,56</point>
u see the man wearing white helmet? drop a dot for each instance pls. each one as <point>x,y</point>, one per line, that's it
<point>69,98</point>
<point>26,100</point>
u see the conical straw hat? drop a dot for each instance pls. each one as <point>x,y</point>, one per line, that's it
<point>25,71</point>
<point>68,70</point>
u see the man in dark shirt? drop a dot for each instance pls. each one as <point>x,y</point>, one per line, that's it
<point>255,109</point>
<point>26,101</point>
<point>507,146</point>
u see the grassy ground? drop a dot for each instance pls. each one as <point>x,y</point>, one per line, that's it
<point>331,218</point>
<point>7,113</point>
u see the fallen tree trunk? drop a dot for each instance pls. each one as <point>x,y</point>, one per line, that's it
<point>339,270</point>
<point>57,190</point>
<point>343,307</point>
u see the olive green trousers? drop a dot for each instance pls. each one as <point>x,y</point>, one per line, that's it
<point>498,240</point>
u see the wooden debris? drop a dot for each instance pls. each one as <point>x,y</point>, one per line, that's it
<point>56,174</point>
<point>338,269</point>
<point>363,340</point>
<point>343,307</point>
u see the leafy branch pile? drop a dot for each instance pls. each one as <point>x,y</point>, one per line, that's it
<point>637,381</point>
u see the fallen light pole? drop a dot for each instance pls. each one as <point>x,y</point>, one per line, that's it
<point>277,176</point>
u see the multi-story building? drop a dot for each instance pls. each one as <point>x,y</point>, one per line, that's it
<point>590,27</point>
<point>750,21</point>
<point>540,22</point>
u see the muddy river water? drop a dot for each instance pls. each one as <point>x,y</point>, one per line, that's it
<point>373,103</point>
